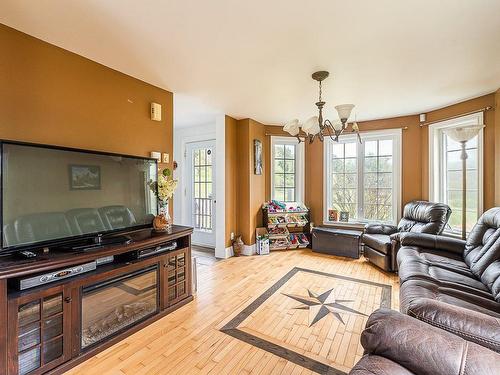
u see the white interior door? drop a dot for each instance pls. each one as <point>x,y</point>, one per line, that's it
<point>200,191</point>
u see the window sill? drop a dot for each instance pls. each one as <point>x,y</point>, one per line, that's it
<point>343,224</point>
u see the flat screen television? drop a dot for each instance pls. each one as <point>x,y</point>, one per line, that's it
<point>54,196</point>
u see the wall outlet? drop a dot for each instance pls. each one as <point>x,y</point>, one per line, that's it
<point>232,236</point>
<point>166,157</point>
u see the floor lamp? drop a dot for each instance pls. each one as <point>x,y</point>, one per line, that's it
<point>463,135</point>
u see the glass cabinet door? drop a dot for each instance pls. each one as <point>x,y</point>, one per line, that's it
<point>177,277</point>
<point>39,326</point>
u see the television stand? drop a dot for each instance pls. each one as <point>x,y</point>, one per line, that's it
<point>78,307</point>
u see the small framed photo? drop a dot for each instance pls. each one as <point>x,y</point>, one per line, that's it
<point>333,215</point>
<point>84,177</point>
<point>344,216</point>
<point>257,156</point>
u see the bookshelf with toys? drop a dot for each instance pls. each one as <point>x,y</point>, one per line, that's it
<point>287,225</point>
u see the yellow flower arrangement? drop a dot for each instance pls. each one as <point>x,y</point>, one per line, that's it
<point>164,187</point>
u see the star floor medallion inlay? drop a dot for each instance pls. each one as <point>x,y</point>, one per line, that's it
<point>321,305</point>
<point>312,318</point>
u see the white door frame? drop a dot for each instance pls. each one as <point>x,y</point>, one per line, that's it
<point>200,236</point>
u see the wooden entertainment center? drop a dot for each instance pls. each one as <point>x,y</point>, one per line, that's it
<point>53,327</point>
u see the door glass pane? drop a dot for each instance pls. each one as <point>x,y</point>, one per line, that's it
<point>29,360</point>
<point>52,305</point>
<point>52,327</point>
<point>29,335</point>
<point>29,313</point>
<point>203,189</point>
<point>52,350</point>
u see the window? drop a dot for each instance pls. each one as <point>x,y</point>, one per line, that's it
<point>287,169</point>
<point>446,171</point>
<point>364,178</point>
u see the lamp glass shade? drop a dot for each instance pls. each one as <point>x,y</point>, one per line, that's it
<point>311,126</point>
<point>463,134</point>
<point>292,127</point>
<point>337,125</point>
<point>344,110</point>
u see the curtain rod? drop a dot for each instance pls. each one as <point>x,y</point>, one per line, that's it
<point>361,131</point>
<point>484,109</point>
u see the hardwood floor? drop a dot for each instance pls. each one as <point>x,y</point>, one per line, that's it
<point>190,341</point>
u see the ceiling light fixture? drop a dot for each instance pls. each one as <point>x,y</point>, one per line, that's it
<point>316,126</point>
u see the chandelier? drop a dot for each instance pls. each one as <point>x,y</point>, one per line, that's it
<point>316,127</point>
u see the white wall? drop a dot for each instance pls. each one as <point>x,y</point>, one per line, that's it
<point>182,136</point>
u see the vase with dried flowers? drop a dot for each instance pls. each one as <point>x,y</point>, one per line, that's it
<point>164,190</point>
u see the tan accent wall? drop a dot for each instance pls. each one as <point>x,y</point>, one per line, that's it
<point>489,143</point>
<point>231,202</point>
<point>52,96</point>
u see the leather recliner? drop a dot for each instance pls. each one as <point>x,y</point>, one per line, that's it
<point>396,344</point>
<point>42,227</point>
<point>381,241</point>
<point>455,284</point>
<point>86,220</point>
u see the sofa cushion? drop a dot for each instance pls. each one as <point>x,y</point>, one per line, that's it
<point>491,278</point>
<point>483,244</point>
<point>451,294</point>
<point>424,217</point>
<point>379,242</point>
<point>117,217</point>
<point>86,220</point>
<point>42,227</point>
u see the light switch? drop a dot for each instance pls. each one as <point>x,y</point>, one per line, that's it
<point>166,157</point>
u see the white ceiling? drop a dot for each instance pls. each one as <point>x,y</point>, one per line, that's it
<point>254,58</point>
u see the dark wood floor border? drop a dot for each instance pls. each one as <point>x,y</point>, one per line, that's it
<point>282,352</point>
<point>231,328</point>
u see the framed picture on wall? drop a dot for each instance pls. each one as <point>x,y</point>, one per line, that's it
<point>84,177</point>
<point>257,156</point>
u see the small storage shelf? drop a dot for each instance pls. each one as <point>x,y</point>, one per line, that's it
<point>287,225</point>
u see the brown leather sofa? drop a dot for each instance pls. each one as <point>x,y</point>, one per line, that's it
<point>397,344</point>
<point>454,284</point>
<point>381,241</point>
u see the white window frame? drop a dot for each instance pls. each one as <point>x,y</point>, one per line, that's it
<point>436,158</point>
<point>299,165</point>
<point>396,136</point>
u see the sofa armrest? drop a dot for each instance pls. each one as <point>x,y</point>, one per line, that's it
<point>471,325</point>
<point>377,365</point>
<point>380,229</point>
<point>432,241</point>
<point>424,349</point>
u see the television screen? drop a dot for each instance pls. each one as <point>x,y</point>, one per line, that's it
<point>52,194</point>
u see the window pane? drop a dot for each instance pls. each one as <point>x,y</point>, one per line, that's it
<point>289,166</point>
<point>371,164</point>
<point>385,147</point>
<point>290,180</point>
<point>337,181</point>
<point>279,194</point>
<point>371,180</point>
<point>279,166</point>
<point>279,151</point>
<point>350,165</point>
<point>385,180</point>
<point>371,148</point>
<point>279,180</point>
<point>289,151</point>
<point>289,195</point>
<point>338,166</point>
<point>350,150</point>
<point>351,180</point>
<point>338,150</point>
<point>385,164</point>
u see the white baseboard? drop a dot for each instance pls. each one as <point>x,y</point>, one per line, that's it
<point>229,252</point>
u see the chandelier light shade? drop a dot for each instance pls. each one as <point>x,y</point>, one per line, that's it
<point>344,111</point>
<point>316,126</point>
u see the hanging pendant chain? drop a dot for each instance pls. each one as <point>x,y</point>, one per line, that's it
<point>319,90</point>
